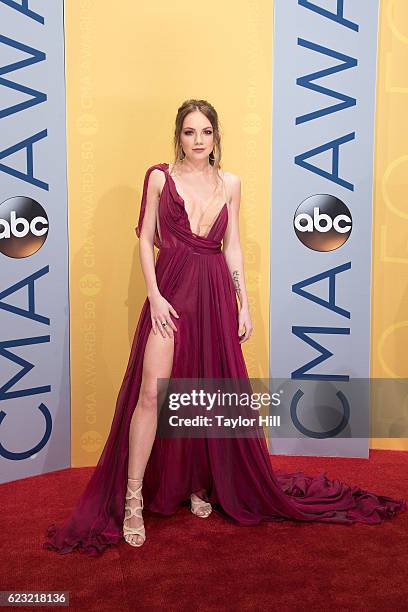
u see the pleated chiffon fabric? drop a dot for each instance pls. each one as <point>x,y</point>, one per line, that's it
<point>235,474</point>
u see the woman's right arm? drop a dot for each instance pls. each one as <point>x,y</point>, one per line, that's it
<point>160,308</point>
<point>146,238</point>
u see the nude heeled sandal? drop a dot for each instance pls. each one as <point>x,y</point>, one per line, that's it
<point>134,494</point>
<point>198,504</point>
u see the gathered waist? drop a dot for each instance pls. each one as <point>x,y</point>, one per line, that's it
<point>194,250</point>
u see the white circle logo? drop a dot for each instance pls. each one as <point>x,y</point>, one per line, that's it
<point>322,222</point>
<point>23,227</point>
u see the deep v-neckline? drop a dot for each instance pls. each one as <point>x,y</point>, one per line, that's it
<point>167,165</point>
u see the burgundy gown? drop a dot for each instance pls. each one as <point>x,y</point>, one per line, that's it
<point>235,474</point>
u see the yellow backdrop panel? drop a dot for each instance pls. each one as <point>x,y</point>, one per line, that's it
<point>390,244</point>
<point>128,70</point>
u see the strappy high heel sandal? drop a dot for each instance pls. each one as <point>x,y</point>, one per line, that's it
<point>199,507</point>
<point>131,493</point>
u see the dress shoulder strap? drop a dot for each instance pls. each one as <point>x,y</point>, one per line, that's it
<point>224,182</point>
<point>138,227</point>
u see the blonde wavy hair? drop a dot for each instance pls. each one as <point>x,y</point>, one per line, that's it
<point>209,111</point>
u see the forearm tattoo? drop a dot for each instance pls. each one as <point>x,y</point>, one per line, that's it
<point>235,278</point>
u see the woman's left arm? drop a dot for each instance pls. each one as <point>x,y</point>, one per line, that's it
<point>233,255</point>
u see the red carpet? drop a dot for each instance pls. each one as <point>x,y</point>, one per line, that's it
<point>211,564</point>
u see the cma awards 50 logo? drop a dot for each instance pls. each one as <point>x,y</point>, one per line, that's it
<point>322,222</point>
<point>23,227</point>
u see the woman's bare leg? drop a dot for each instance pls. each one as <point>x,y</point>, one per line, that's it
<point>157,363</point>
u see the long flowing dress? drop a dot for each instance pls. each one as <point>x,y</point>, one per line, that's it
<point>234,473</point>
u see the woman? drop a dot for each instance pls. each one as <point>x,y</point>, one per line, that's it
<point>191,327</point>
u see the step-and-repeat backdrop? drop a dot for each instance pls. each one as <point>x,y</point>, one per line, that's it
<point>310,109</point>
<point>34,306</point>
<point>324,86</point>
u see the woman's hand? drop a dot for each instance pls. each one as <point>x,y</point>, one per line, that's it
<point>160,311</point>
<point>244,324</point>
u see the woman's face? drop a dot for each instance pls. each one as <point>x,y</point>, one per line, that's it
<point>197,136</point>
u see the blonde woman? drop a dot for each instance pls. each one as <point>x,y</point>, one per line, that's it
<point>191,326</point>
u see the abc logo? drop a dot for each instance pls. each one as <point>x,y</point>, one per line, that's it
<point>90,284</point>
<point>322,222</point>
<point>23,227</point>
<point>91,441</point>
